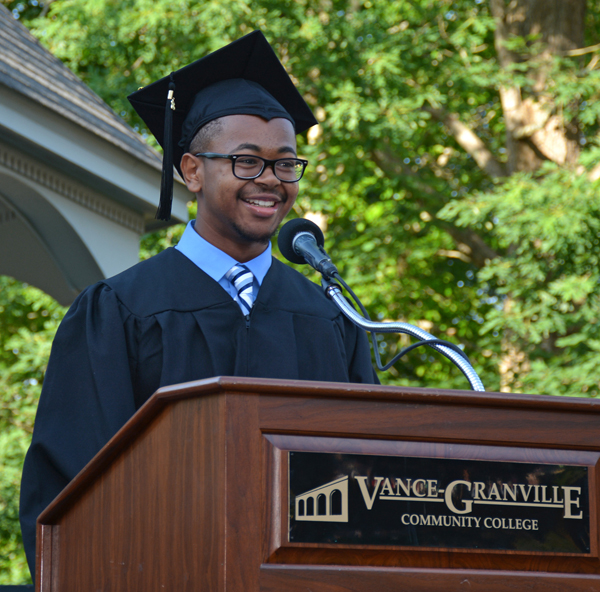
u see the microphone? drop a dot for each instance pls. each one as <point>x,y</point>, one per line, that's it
<point>301,241</point>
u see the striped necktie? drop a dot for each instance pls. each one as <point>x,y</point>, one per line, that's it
<point>241,278</point>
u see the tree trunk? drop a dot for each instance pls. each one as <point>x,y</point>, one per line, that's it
<point>535,132</point>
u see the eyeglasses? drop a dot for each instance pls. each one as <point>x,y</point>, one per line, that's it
<point>246,166</point>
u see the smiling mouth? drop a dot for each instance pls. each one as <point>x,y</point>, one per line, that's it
<point>262,203</point>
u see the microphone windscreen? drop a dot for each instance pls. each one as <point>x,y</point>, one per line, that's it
<point>288,232</point>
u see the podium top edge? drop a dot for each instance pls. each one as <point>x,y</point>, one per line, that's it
<point>279,387</point>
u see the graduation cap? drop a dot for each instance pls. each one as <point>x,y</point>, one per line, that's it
<point>244,77</point>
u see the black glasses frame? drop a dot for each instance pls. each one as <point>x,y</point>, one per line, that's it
<point>266,162</point>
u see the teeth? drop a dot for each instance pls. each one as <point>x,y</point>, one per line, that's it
<point>258,202</point>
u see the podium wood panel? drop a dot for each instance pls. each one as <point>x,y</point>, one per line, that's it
<point>191,494</point>
<point>276,578</point>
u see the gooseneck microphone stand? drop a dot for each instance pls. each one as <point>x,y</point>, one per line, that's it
<point>301,241</point>
<point>449,350</point>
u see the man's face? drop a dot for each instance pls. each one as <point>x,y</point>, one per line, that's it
<point>240,216</point>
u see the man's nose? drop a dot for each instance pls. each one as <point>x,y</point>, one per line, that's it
<point>268,176</point>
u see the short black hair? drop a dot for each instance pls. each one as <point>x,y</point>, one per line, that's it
<point>205,135</point>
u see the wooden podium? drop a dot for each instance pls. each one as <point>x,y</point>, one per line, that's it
<point>193,493</point>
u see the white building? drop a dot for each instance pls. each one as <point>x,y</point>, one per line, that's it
<point>77,185</point>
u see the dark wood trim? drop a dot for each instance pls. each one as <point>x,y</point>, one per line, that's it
<point>275,578</point>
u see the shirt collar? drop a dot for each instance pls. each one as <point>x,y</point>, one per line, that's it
<point>215,262</point>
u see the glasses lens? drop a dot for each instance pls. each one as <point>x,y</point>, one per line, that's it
<point>247,167</point>
<point>289,169</point>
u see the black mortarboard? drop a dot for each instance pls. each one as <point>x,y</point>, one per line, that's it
<point>177,106</point>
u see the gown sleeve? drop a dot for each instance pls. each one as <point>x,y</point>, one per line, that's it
<point>81,406</point>
<point>358,352</point>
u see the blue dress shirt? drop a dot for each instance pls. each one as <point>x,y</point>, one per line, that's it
<point>216,263</point>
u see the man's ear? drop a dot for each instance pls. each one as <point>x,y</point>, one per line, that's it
<point>192,169</point>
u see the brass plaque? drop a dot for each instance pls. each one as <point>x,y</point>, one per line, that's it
<point>355,499</point>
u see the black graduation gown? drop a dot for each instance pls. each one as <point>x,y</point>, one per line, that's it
<point>162,322</point>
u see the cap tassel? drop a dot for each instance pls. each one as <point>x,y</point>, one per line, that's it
<point>166,186</point>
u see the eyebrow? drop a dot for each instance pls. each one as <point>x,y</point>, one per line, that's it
<point>255,148</point>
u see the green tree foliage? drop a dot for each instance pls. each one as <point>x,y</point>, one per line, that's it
<point>412,100</point>
<point>455,165</point>
<point>28,320</point>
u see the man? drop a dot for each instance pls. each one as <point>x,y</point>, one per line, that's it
<point>217,304</point>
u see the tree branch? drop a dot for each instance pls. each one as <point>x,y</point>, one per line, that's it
<point>470,142</point>
<point>46,8</point>
<point>583,50</point>
<point>595,173</point>
<point>468,241</point>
